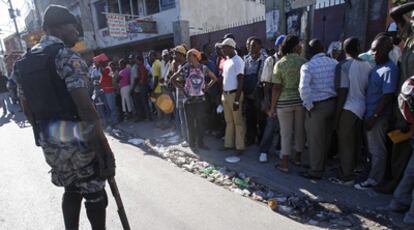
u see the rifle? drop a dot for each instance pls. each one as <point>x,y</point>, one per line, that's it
<point>117,196</point>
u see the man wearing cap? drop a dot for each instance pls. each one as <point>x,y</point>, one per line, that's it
<point>165,66</point>
<point>232,98</point>
<point>272,123</point>
<point>52,82</point>
<point>180,118</point>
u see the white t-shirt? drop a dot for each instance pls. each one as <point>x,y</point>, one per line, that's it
<point>395,54</point>
<point>354,76</point>
<point>268,66</point>
<point>232,68</point>
<point>165,68</point>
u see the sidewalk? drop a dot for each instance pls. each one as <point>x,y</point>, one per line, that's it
<point>363,203</point>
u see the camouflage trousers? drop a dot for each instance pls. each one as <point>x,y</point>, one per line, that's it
<point>72,162</point>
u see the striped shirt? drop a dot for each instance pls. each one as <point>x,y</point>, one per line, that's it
<point>317,80</point>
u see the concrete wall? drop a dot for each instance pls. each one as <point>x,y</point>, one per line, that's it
<point>213,15</point>
<point>241,33</point>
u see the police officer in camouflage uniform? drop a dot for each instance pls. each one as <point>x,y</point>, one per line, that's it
<point>52,81</point>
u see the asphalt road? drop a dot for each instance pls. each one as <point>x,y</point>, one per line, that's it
<point>156,194</point>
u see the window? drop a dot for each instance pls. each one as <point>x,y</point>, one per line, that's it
<point>113,6</point>
<point>153,6</point>
<point>125,7</point>
<point>135,8</point>
<point>100,8</point>
<point>167,4</point>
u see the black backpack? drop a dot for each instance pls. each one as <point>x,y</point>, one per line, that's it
<point>44,90</point>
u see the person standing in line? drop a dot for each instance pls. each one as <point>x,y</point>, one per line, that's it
<point>232,98</point>
<point>194,74</point>
<point>124,84</point>
<point>286,101</point>
<point>180,118</point>
<point>351,83</point>
<point>212,97</point>
<point>401,152</point>
<point>107,85</point>
<point>402,199</point>
<point>272,129</point>
<point>382,87</point>
<point>165,67</point>
<point>253,67</point>
<point>317,91</point>
<point>132,61</point>
<point>140,84</point>
<point>155,63</point>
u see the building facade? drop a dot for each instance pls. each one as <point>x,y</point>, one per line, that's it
<point>158,24</point>
<point>151,24</point>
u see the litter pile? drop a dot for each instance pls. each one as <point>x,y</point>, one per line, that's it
<point>302,208</point>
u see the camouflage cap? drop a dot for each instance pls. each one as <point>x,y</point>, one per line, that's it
<point>58,15</point>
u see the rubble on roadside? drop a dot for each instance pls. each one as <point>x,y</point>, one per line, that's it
<point>301,208</point>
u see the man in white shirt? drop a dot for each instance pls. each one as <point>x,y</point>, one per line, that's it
<point>165,65</point>
<point>232,98</point>
<point>352,83</point>
<point>317,91</point>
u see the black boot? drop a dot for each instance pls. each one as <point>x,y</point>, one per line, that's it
<point>96,209</point>
<point>71,206</point>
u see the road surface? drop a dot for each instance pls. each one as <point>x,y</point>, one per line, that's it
<point>156,194</point>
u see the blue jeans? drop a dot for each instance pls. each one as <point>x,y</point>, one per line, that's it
<point>113,111</point>
<point>272,129</point>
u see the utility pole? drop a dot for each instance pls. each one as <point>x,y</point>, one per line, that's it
<point>38,17</point>
<point>13,16</point>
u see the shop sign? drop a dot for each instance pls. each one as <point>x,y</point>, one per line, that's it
<point>117,25</point>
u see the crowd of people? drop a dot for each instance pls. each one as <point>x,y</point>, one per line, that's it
<point>264,95</point>
<point>317,105</point>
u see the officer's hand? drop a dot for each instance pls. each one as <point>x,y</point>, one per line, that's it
<point>107,166</point>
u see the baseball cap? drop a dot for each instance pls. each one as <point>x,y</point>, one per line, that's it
<point>228,42</point>
<point>165,52</point>
<point>279,40</point>
<point>229,35</point>
<point>392,27</point>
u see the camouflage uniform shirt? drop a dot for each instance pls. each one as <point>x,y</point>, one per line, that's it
<point>65,150</point>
